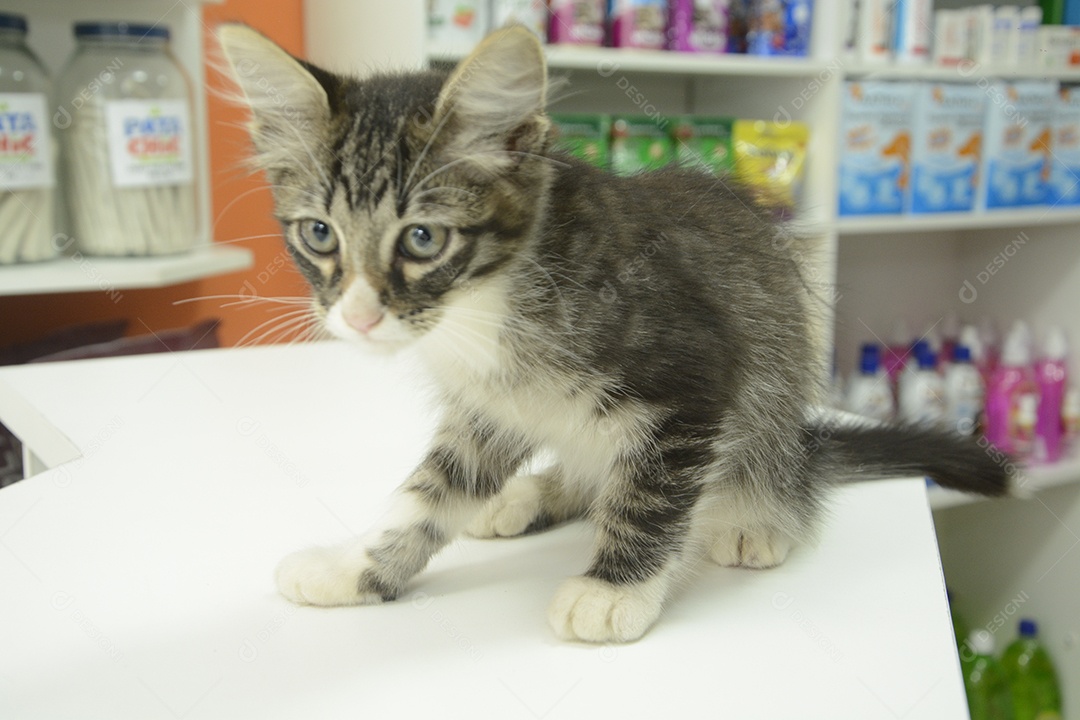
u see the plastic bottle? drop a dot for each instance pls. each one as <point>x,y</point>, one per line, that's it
<point>965,394</point>
<point>985,681</point>
<point>1033,682</point>
<point>1012,397</point>
<point>922,392</point>
<point>868,392</point>
<point>27,175</point>
<point>1051,374</point>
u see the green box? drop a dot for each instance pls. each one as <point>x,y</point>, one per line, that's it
<point>640,143</point>
<point>585,136</point>
<point>705,142</point>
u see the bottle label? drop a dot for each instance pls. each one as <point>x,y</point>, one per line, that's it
<point>26,159</point>
<point>1022,417</point>
<point>149,142</point>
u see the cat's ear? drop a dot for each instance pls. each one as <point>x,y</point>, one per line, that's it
<point>287,100</point>
<point>493,102</point>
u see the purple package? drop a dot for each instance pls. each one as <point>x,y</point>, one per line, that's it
<point>699,25</point>
<point>577,22</point>
<point>639,24</point>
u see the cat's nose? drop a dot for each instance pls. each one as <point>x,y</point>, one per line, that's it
<point>363,321</point>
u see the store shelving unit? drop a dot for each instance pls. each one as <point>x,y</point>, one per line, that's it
<point>51,38</point>
<point>881,266</point>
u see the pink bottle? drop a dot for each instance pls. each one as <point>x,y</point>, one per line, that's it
<point>1012,397</point>
<point>1051,373</point>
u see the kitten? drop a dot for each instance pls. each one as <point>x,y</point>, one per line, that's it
<point>653,332</point>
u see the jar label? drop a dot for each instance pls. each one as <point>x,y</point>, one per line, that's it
<point>149,142</point>
<point>26,159</point>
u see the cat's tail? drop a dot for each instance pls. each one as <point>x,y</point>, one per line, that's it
<point>846,453</point>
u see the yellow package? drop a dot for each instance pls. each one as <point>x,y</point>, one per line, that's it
<point>769,159</point>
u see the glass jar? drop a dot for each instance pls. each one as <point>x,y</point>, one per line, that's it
<point>128,160</point>
<point>27,157</point>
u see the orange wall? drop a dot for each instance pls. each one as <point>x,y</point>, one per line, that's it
<point>241,209</point>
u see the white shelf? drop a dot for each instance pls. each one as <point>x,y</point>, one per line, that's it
<point>1035,479</point>
<point>898,224</point>
<point>97,274</point>
<point>608,61</point>
<point>960,73</point>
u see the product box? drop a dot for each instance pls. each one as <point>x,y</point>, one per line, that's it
<point>640,143</point>
<point>875,146</point>
<point>639,23</point>
<point>584,136</point>
<point>946,147</point>
<point>1065,143</point>
<point>779,27</point>
<point>698,25</point>
<point>1017,143</point>
<point>576,22</point>
<point>704,142</point>
<point>770,158</point>
<point>456,26</point>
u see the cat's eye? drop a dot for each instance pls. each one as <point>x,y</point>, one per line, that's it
<point>422,242</point>
<point>318,236</point>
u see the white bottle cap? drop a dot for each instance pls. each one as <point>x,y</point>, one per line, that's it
<point>1017,352</point>
<point>969,338</point>
<point>981,642</point>
<point>1055,345</point>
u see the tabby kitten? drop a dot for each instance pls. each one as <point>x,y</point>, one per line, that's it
<point>650,331</point>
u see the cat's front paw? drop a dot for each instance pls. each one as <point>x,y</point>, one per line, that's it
<point>511,512</point>
<point>759,549</point>
<point>596,611</point>
<point>326,576</point>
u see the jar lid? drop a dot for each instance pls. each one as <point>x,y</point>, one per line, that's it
<point>8,21</point>
<point>120,29</point>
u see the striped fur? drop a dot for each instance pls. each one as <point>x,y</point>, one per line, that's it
<point>652,332</point>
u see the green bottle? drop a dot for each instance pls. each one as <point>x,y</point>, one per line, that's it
<point>1032,680</point>
<point>985,681</point>
<point>1053,12</point>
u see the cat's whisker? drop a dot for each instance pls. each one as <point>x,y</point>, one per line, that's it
<point>236,300</point>
<point>252,191</point>
<point>296,328</point>
<point>253,336</point>
<point>235,241</point>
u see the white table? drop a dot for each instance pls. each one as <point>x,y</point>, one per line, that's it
<point>136,581</point>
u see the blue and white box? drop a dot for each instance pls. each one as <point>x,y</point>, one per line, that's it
<point>1017,146</point>
<point>1065,144</point>
<point>875,147</point>
<point>946,147</point>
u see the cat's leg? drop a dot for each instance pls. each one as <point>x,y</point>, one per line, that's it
<point>530,503</point>
<point>756,519</point>
<point>467,465</point>
<point>645,530</point>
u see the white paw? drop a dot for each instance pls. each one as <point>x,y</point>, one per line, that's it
<point>596,611</point>
<point>511,512</point>
<point>750,548</point>
<point>324,576</point>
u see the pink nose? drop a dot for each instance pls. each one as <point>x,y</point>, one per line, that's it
<point>363,321</point>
